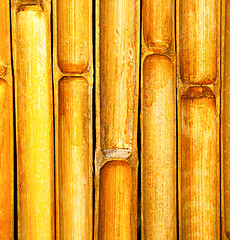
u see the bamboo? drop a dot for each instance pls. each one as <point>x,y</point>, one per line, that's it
<point>225,122</point>
<point>6,128</point>
<point>158,149</point>
<point>199,165</point>
<point>117,46</point>
<point>73,81</point>
<point>158,121</point>
<point>198,41</point>
<point>34,120</point>
<point>198,54</point>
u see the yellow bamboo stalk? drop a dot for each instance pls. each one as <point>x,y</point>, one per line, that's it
<point>6,128</point>
<point>34,119</point>
<point>158,122</point>
<point>73,80</point>
<point>198,55</point>
<point>225,121</point>
<point>117,46</point>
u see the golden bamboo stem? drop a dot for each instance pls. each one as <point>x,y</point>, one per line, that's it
<point>6,128</point>
<point>158,121</point>
<point>73,80</point>
<point>198,45</point>
<point>34,120</point>
<point>117,47</point>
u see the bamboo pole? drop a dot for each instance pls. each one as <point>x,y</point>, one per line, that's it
<point>198,45</point>
<point>73,81</point>
<point>6,128</point>
<point>158,122</point>
<point>34,119</point>
<point>225,130</point>
<point>117,46</point>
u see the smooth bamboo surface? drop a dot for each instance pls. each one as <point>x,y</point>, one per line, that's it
<point>6,128</point>
<point>116,192</point>
<point>73,35</point>
<point>74,165</point>
<point>73,82</point>
<point>198,34</point>
<point>34,126</point>
<point>158,149</point>
<point>199,165</point>
<point>226,123</point>
<point>117,64</point>
<point>157,24</point>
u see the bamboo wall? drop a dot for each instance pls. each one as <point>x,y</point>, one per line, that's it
<point>114,119</point>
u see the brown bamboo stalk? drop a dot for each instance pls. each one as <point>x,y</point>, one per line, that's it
<point>6,128</point>
<point>225,121</point>
<point>73,80</point>
<point>117,47</point>
<point>34,119</point>
<point>158,122</point>
<point>198,45</point>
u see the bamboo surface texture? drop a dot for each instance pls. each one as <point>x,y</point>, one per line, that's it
<point>6,128</point>
<point>73,81</point>
<point>117,64</point>
<point>198,45</point>
<point>34,119</point>
<point>158,122</point>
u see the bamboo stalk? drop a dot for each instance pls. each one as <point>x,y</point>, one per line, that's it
<point>6,128</point>
<point>117,47</point>
<point>73,80</point>
<point>158,122</point>
<point>34,120</point>
<point>225,121</point>
<point>198,45</point>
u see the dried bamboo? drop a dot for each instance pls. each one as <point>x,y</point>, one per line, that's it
<point>158,121</point>
<point>34,119</point>
<point>117,46</point>
<point>225,121</point>
<point>6,128</point>
<point>73,81</point>
<point>198,45</point>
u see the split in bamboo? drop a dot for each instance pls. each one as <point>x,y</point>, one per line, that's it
<point>73,80</point>
<point>158,123</point>
<point>117,90</point>
<point>6,128</point>
<point>34,125</point>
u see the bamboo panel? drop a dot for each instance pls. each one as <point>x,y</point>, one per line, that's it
<point>34,119</point>
<point>6,128</point>
<point>73,81</point>
<point>158,121</point>
<point>198,54</point>
<point>117,64</point>
<point>225,121</point>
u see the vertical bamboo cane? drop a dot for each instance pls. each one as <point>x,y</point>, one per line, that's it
<point>158,121</point>
<point>117,46</point>
<point>73,79</point>
<point>6,128</point>
<point>34,119</point>
<point>198,34</point>
<point>225,153</point>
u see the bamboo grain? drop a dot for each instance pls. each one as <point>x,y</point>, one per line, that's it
<point>158,149</point>
<point>157,24</point>
<point>198,34</point>
<point>34,122</point>
<point>73,35</point>
<point>117,63</point>
<point>73,82</point>
<point>6,128</point>
<point>199,165</point>
<point>225,123</point>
